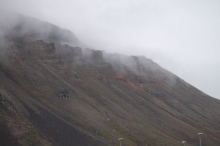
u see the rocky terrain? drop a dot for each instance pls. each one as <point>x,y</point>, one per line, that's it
<point>53,92</point>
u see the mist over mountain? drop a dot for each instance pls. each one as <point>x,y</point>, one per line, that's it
<point>17,25</point>
<point>55,91</point>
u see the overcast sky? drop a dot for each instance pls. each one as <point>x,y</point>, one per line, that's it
<point>183,36</point>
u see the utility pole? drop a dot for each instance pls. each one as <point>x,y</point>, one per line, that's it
<point>120,139</point>
<point>184,143</point>
<point>200,139</point>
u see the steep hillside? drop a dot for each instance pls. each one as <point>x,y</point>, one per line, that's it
<point>56,94</point>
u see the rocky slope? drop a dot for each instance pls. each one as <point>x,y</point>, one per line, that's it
<point>56,94</point>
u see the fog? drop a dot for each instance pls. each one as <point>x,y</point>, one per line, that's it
<point>181,36</point>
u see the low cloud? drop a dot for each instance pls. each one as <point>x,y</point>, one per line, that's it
<point>182,37</point>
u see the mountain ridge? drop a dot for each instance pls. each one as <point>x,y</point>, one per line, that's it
<point>53,93</point>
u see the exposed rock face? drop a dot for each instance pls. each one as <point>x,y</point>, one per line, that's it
<point>55,94</point>
<point>39,49</point>
<point>68,53</point>
<point>97,56</point>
